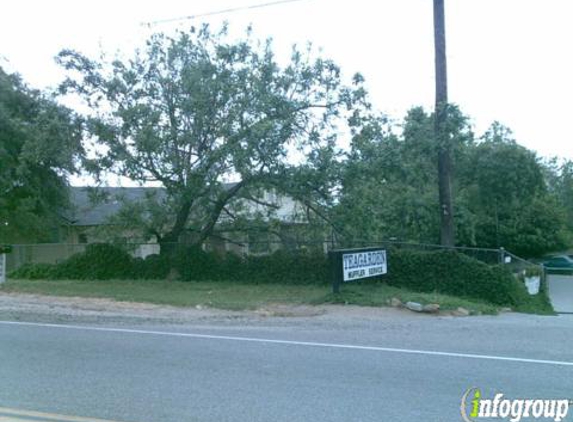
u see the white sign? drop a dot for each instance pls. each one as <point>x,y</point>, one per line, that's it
<point>359,265</point>
<point>2,268</point>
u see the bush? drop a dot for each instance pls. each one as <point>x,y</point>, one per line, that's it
<point>99,261</point>
<point>5,249</point>
<point>193,263</point>
<point>35,272</point>
<point>287,267</point>
<point>451,273</point>
<point>104,262</point>
<point>283,266</point>
<point>153,267</point>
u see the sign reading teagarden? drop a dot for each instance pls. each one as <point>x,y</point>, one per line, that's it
<point>357,265</point>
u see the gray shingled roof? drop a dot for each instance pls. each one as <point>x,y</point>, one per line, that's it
<point>86,212</point>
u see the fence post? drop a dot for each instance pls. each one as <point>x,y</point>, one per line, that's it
<point>2,267</point>
<point>501,255</point>
<point>335,270</point>
<point>4,249</point>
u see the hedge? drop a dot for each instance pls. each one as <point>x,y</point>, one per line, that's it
<point>445,272</point>
<point>104,262</point>
<point>99,261</point>
<point>449,272</point>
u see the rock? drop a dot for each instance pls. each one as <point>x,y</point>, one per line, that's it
<point>414,306</point>
<point>431,308</point>
<point>505,310</point>
<point>199,307</point>
<point>461,312</point>
<point>396,303</point>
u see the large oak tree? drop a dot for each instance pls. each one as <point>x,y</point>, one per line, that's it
<point>196,109</point>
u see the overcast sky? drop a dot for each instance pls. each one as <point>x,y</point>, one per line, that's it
<point>508,60</point>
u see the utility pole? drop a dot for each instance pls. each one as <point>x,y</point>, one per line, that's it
<point>441,135</point>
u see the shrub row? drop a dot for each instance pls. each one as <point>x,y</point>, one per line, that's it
<point>452,273</point>
<point>105,262</point>
<point>444,272</point>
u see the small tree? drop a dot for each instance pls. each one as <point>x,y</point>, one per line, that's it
<point>507,192</point>
<point>194,110</point>
<point>389,183</point>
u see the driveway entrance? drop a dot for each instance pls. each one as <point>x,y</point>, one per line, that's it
<point>560,290</point>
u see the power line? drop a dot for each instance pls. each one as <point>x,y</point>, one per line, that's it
<point>222,12</point>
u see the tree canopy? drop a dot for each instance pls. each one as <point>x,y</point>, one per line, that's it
<point>40,143</point>
<point>195,110</point>
<point>215,120</point>
<point>389,188</point>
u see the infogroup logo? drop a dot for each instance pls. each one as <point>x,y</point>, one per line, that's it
<point>474,407</point>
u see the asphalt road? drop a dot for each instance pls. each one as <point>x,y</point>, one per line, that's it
<point>560,289</point>
<point>398,367</point>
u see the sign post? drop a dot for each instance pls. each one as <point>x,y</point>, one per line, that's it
<point>348,265</point>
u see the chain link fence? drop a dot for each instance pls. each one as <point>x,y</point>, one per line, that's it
<point>58,252</point>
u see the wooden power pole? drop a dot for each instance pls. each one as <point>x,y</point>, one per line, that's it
<point>440,131</point>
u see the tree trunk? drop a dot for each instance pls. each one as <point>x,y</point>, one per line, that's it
<point>169,243</point>
<point>207,229</point>
<point>440,131</point>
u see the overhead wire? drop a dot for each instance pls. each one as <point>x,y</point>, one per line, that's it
<point>221,12</point>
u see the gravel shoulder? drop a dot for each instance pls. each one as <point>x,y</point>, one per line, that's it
<point>32,307</point>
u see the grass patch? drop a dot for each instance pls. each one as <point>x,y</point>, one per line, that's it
<point>379,294</point>
<point>238,296</point>
<point>536,304</point>
<point>219,294</point>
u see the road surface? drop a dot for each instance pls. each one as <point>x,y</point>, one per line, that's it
<point>560,290</point>
<point>391,366</point>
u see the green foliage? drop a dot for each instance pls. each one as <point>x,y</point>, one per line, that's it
<point>283,267</point>
<point>537,304</point>
<point>192,263</point>
<point>507,194</point>
<point>197,108</point>
<point>287,267</point>
<point>35,272</point>
<point>444,272</point>
<point>39,146</point>
<point>533,271</point>
<point>105,262</point>
<point>389,188</point>
<point>99,261</point>
<point>560,182</point>
<point>451,273</point>
<point>370,293</point>
<point>389,182</point>
<point>153,267</point>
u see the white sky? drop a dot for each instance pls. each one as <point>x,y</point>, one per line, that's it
<point>508,60</point>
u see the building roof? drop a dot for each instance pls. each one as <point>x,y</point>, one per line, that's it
<point>94,206</point>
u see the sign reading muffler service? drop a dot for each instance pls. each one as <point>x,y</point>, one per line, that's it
<point>357,265</point>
